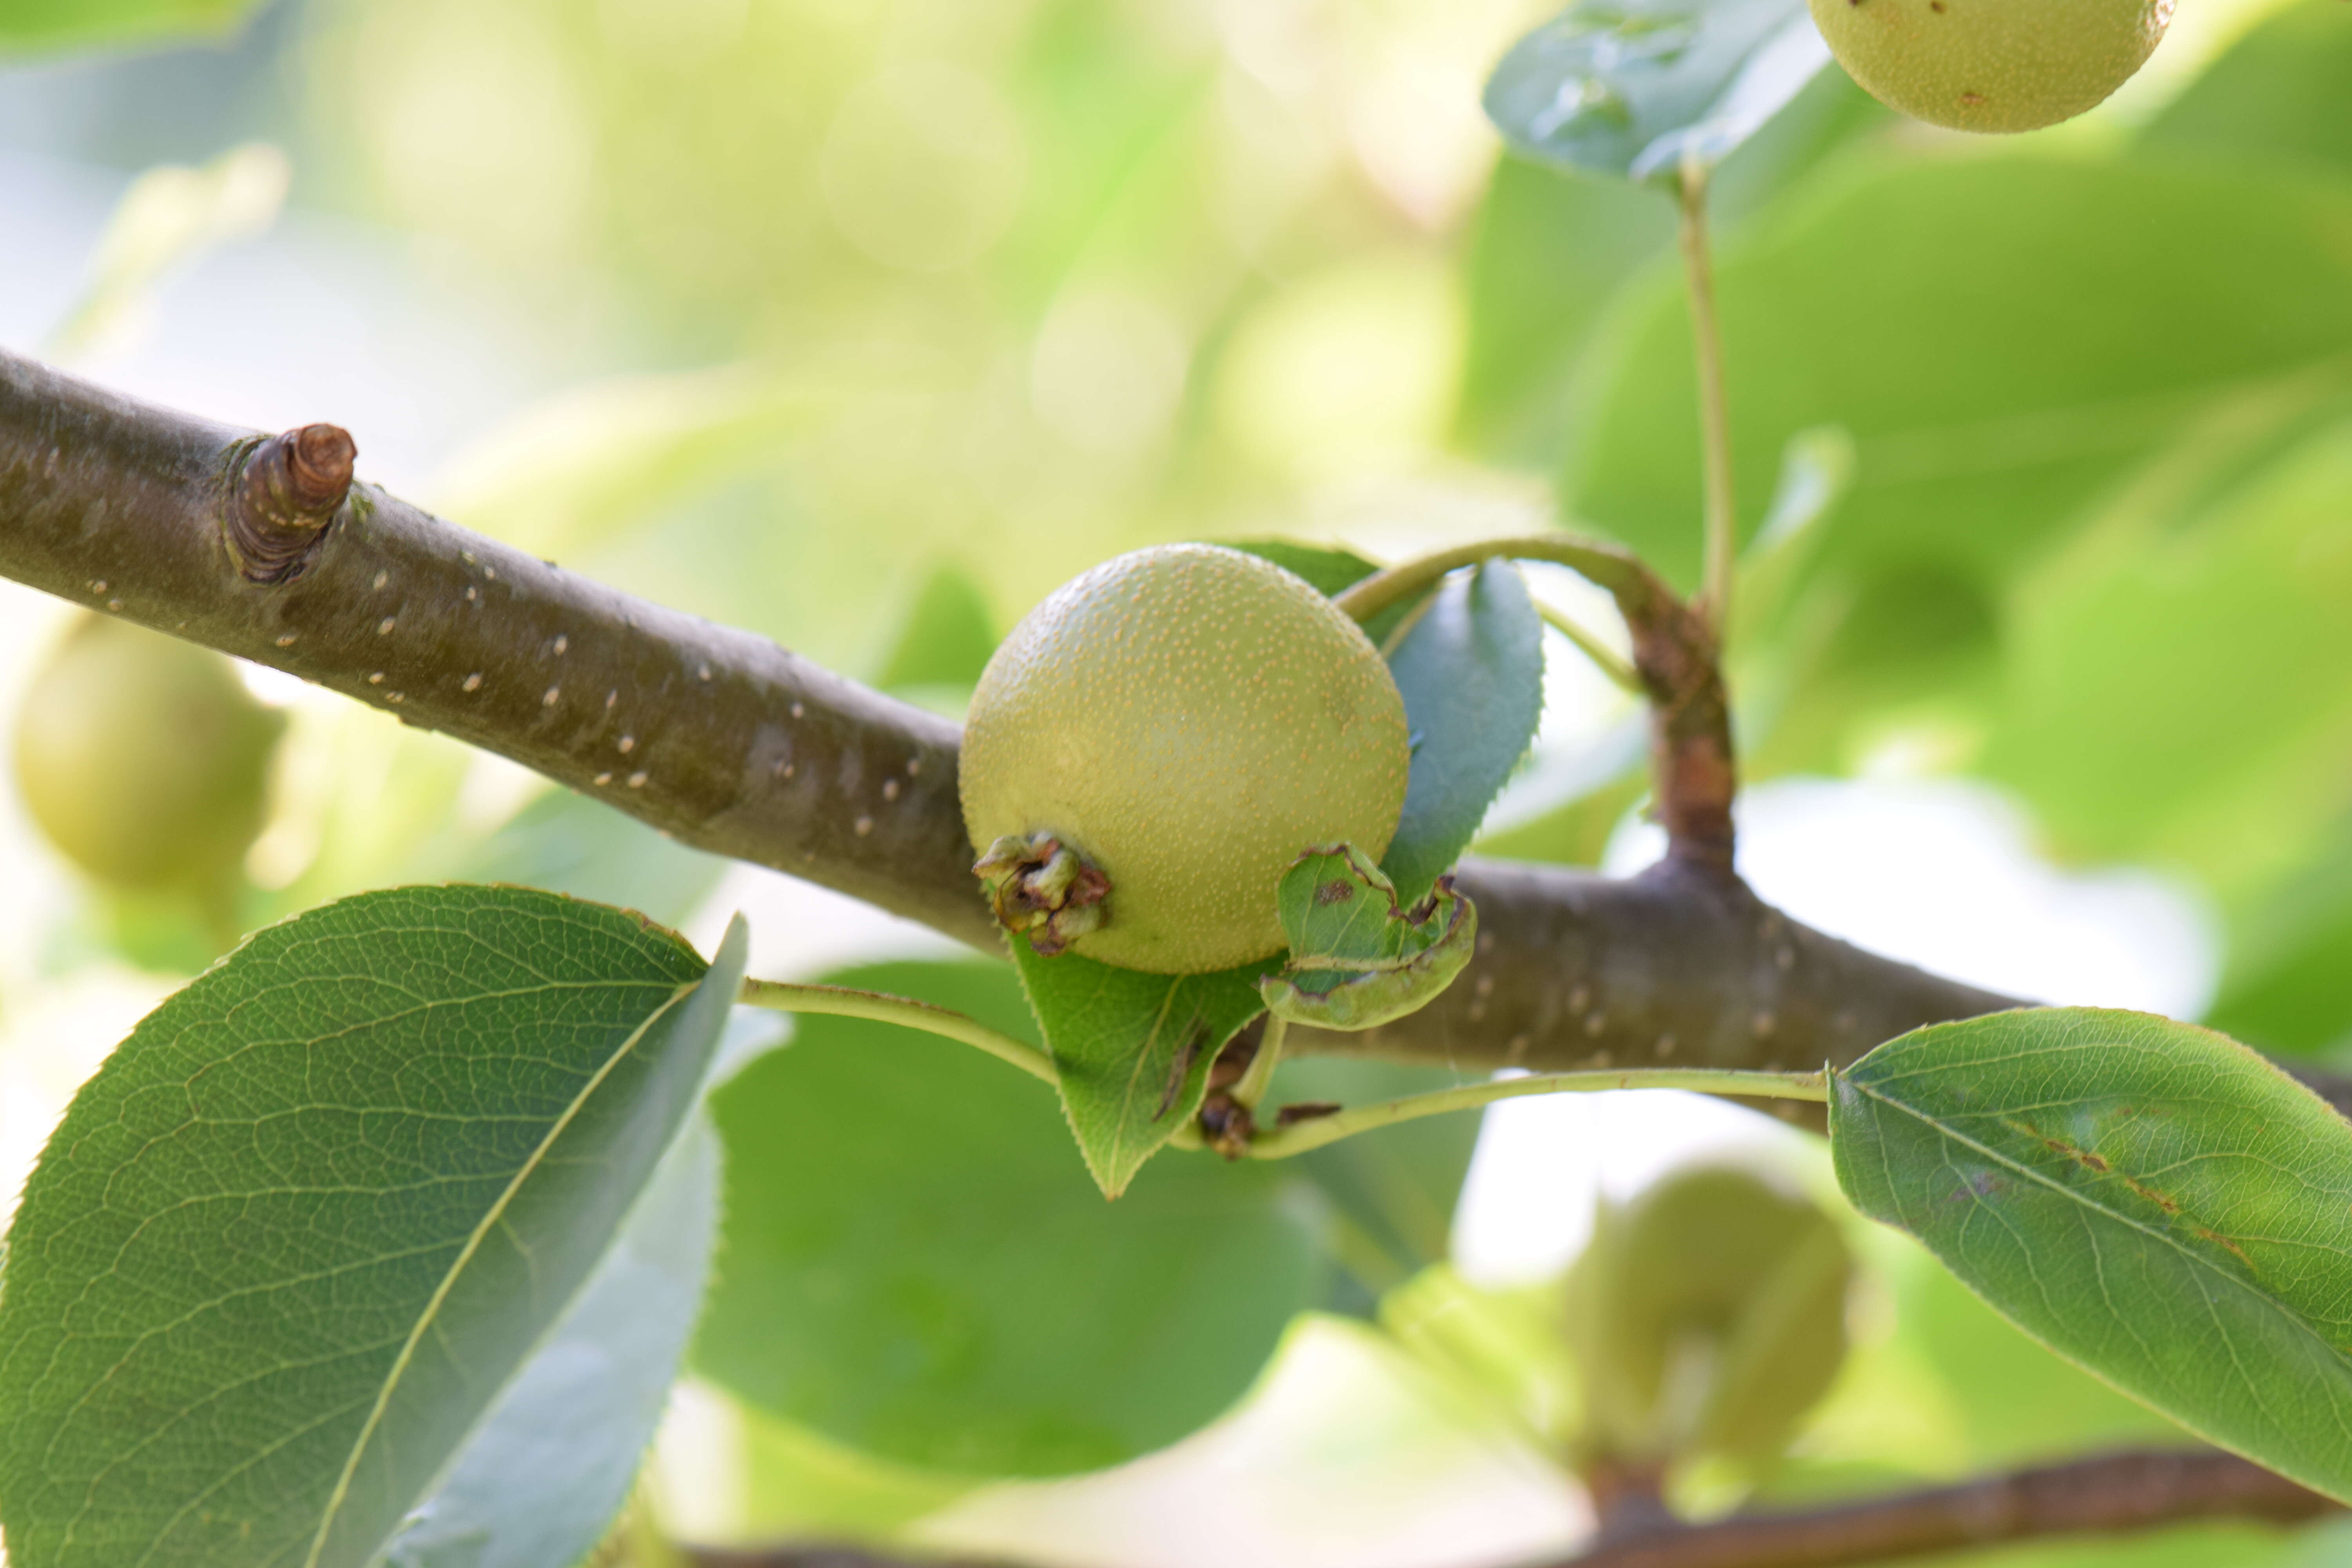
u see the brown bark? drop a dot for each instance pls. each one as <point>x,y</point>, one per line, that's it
<point>733,744</point>
<point>2110,1494</point>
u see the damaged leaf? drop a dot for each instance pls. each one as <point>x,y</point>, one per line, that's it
<point>1358,959</point>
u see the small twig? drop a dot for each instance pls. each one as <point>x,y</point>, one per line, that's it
<point>841,1002</point>
<point>1299,1137</point>
<point>2109,1495</point>
<point>1714,601</point>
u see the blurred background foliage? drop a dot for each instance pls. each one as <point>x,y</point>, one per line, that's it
<point>863,324</point>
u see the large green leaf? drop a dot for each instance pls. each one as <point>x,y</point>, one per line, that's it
<point>1471,670</point>
<point>570,843</point>
<point>1132,1049</point>
<point>2176,690</point>
<point>2149,1199</point>
<point>945,635</point>
<point>2277,96</point>
<point>2001,337</point>
<point>74,24</point>
<point>1638,88</point>
<point>915,1264</point>
<point>553,1460</point>
<point>1393,1191</point>
<point>291,1243</point>
<point>1553,248</point>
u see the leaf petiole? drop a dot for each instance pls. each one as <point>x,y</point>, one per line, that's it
<point>1606,659</point>
<point>1254,1081</point>
<point>841,1002</point>
<point>1605,564</point>
<point>1301,1136</point>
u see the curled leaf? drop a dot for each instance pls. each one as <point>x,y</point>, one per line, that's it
<point>1357,959</point>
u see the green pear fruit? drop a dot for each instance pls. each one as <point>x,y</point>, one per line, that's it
<point>1992,65</point>
<point>1708,1315</point>
<point>1188,720</point>
<point>143,759</point>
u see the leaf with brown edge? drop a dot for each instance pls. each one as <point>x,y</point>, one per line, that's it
<point>2151,1200</point>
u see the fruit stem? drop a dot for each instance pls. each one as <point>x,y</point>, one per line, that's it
<point>1714,412</point>
<point>1299,1137</point>
<point>1605,564</point>
<point>1607,660</point>
<point>1252,1087</point>
<point>841,1002</point>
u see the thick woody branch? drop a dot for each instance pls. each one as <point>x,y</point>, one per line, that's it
<point>264,549</point>
<point>2112,1494</point>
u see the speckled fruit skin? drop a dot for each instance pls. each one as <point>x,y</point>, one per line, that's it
<point>142,758</point>
<point>1992,65</point>
<point>1190,719</point>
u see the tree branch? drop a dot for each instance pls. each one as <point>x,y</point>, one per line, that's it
<point>729,743</point>
<point>2111,1494</point>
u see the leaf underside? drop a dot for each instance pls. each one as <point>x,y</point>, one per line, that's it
<point>2149,1199</point>
<point>1471,670</point>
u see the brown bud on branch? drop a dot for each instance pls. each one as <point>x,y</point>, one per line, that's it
<point>282,498</point>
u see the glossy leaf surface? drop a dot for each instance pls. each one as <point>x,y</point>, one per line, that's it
<point>1638,88</point>
<point>915,1265</point>
<point>293,1241</point>
<point>2149,1199</point>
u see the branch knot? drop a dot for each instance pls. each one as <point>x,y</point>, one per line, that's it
<point>283,497</point>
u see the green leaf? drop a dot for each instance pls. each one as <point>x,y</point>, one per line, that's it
<point>2150,1200</point>
<point>947,635</point>
<point>915,1265</point>
<point>2062,355</point>
<point>1471,670</point>
<point>569,843</point>
<point>1393,1191</point>
<point>1357,960</point>
<point>593,461</point>
<point>2175,687</point>
<point>1638,88</point>
<point>1333,572</point>
<point>291,1243</point>
<point>553,1460</point>
<point>2276,97</point>
<point>1133,1050</point>
<point>81,23</point>
<point>169,215</point>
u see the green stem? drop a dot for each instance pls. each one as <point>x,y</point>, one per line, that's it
<point>1607,660</point>
<point>1301,1136</point>
<point>1605,564</point>
<point>1714,416</point>
<point>841,1002</point>
<point>1252,1088</point>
